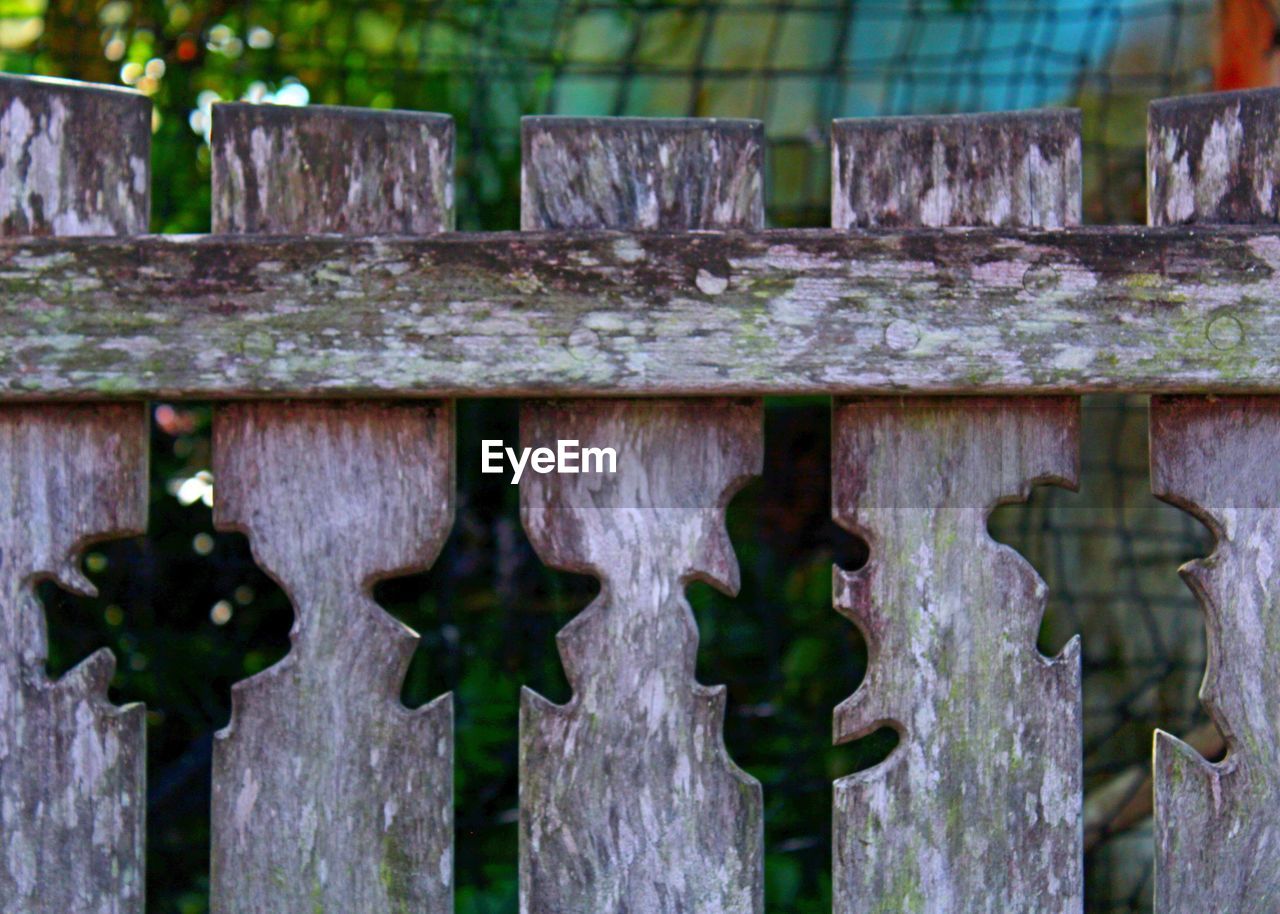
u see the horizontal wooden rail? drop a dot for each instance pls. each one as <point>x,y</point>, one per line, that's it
<point>778,312</point>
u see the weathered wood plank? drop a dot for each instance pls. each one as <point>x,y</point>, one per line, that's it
<point>75,158</point>
<point>934,311</point>
<point>641,174</point>
<point>1218,824</point>
<point>72,765</point>
<point>1001,169</point>
<point>979,807</point>
<point>351,171</point>
<point>629,801</point>
<point>327,791</point>
<point>328,794</point>
<point>1213,159</point>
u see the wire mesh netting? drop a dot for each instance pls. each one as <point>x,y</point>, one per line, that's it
<point>1109,553</point>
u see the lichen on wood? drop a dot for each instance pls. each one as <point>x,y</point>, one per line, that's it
<point>351,171</point>
<point>75,158</point>
<point>652,314</point>
<point>1002,169</point>
<point>1217,825</point>
<point>978,808</point>
<point>1214,160</point>
<point>628,799</point>
<point>72,765</point>
<point>328,794</point>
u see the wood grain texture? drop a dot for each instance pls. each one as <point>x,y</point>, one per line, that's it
<point>979,807</point>
<point>72,765</point>
<point>75,158</point>
<point>328,794</point>
<point>1211,160</point>
<point>641,174</point>
<point>998,169</point>
<point>1218,824</point>
<point>628,799</point>
<point>351,171</point>
<point>785,312</point>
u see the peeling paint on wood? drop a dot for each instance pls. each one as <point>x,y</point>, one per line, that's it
<point>979,807</point>
<point>628,799</point>
<point>996,169</point>
<point>1218,825</point>
<point>939,311</point>
<point>1214,159</point>
<point>72,765</point>
<point>75,158</point>
<point>328,794</point>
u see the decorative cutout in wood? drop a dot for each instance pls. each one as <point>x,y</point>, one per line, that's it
<point>72,765</point>
<point>1218,825</point>
<point>341,797</point>
<point>327,792</point>
<point>628,798</point>
<point>978,807</point>
<point>1211,159</point>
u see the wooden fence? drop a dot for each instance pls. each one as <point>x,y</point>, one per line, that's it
<point>955,312</point>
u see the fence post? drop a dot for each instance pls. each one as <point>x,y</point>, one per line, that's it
<point>328,794</point>
<point>72,766</point>
<point>978,809</point>
<point>628,800</point>
<point>1213,160</point>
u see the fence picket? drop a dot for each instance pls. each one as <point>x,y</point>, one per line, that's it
<point>628,798</point>
<point>328,793</point>
<point>1212,160</point>
<point>978,809</point>
<point>72,765</point>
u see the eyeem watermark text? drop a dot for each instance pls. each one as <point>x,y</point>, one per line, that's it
<point>567,457</point>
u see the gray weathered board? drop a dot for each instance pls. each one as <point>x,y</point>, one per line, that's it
<point>1214,159</point>
<point>328,794</point>
<point>978,808</point>
<point>72,765</point>
<point>786,312</point>
<point>628,799</point>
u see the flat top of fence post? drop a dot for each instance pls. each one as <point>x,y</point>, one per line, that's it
<point>1214,159</point>
<point>75,158</point>
<point>325,169</point>
<point>641,173</point>
<point>1000,169</point>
